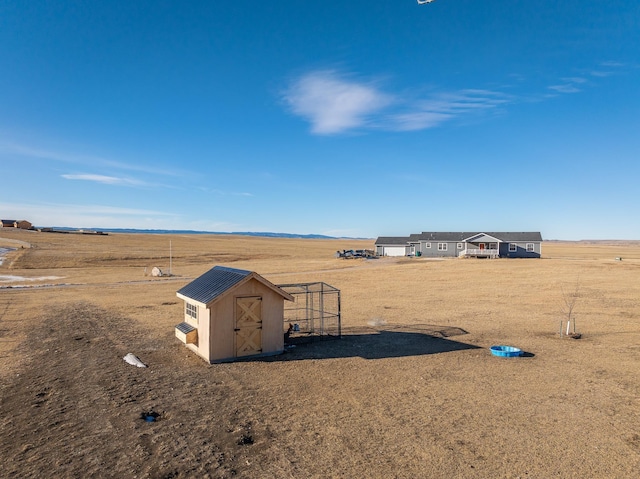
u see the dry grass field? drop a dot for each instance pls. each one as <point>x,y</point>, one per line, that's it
<point>411,390</point>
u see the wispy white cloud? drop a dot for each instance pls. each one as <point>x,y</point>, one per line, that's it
<point>565,88</point>
<point>121,171</point>
<point>104,216</point>
<point>107,180</point>
<point>577,80</point>
<point>27,151</point>
<point>113,210</point>
<point>445,106</point>
<point>206,189</point>
<point>35,152</point>
<point>606,69</point>
<point>570,85</point>
<point>333,103</point>
<point>418,120</point>
<point>601,73</point>
<point>613,64</point>
<point>341,233</point>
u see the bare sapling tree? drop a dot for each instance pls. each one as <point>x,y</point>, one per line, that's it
<point>568,307</point>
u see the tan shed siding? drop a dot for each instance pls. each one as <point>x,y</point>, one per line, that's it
<point>272,320</point>
<point>222,335</point>
<point>202,346</point>
<point>272,316</point>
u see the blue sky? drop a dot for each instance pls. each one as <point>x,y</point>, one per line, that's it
<point>359,118</point>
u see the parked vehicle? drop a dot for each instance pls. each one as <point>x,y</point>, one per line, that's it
<point>357,253</point>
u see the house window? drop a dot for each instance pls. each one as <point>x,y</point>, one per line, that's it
<point>459,245</point>
<point>530,247</point>
<point>427,245</point>
<point>493,245</point>
<point>513,247</point>
<point>192,310</point>
<point>442,246</point>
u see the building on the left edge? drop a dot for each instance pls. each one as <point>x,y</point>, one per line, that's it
<point>22,224</point>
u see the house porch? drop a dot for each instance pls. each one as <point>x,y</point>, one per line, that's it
<point>480,250</point>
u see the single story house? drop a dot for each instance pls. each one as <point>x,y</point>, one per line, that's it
<point>231,313</point>
<point>463,244</point>
<point>22,224</point>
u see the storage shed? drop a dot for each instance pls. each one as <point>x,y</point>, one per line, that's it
<point>232,313</point>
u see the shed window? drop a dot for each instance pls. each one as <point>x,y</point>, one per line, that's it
<point>427,245</point>
<point>513,247</point>
<point>442,246</point>
<point>530,247</point>
<point>192,310</point>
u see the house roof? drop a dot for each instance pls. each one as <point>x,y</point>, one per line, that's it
<point>484,237</point>
<point>460,236</point>
<point>393,240</point>
<point>218,280</point>
<point>441,236</point>
<point>522,236</point>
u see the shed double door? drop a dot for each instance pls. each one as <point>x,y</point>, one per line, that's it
<point>248,326</point>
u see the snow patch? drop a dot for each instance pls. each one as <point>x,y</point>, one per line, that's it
<point>134,361</point>
<point>9,278</point>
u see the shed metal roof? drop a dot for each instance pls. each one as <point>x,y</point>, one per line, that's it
<point>213,283</point>
<point>185,328</point>
<point>219,280</point>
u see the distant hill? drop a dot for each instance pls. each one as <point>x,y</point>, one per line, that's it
<point>194,232</point>
<point>602,242</point>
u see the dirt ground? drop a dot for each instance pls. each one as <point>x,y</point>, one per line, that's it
<point>411,390</point>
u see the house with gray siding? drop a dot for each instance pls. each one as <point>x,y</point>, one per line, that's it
<point>463,244</point>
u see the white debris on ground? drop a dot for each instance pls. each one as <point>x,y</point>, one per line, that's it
<point>3,252</point>
<point>8,278</point>
<point>134,361</point>
<point>376,322</point>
